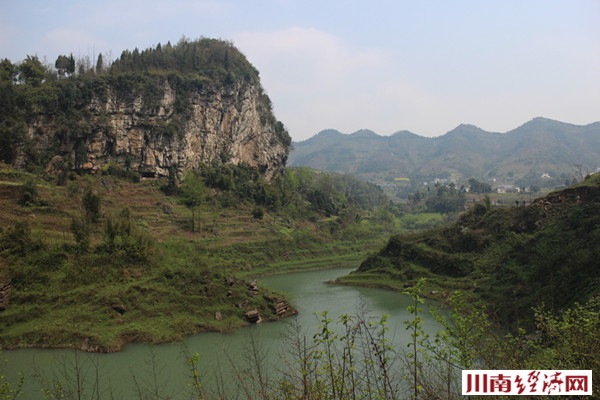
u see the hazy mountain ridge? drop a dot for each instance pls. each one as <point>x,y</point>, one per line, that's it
<point>536,147</point>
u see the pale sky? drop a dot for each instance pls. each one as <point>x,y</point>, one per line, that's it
<point>420,65</point>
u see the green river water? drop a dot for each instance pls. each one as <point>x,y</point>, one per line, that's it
<point>149,368</point>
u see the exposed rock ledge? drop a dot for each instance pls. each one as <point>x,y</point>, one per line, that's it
<point>232,123</point>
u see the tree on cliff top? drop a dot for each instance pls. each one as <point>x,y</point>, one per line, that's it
<point>212,58</point>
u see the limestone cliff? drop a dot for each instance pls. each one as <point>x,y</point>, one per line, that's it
<point>149,122</point>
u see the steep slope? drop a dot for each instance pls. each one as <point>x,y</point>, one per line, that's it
<point>510,258</point>
<point>169,107</point>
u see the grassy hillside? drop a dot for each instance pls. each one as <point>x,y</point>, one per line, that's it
<point>132,269</point>
<point>509,259</point>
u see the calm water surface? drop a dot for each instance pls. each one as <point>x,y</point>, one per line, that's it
<point>143,367</point>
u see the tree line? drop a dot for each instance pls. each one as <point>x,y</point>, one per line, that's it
<point>213,58</point>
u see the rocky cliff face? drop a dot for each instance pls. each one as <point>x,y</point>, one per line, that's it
<point>232,124</point>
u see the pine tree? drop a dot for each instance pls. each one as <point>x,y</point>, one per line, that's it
<point>99,64</point>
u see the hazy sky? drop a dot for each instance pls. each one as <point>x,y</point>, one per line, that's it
<point>421,65</point>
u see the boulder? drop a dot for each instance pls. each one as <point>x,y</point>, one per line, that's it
<point>252,288</point>
<point>120,308</point>
<point>231,280</point>
<point>280,306</point>
<point>253,317</point>
<point>166,209</point>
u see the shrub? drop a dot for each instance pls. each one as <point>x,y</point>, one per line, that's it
<point>91,205</point>
<point>81,233</point>
<point>29,197</point>
<point>16,239</point>
<point>123,241</point>
<point>114,169</point>
<point>258,212</point>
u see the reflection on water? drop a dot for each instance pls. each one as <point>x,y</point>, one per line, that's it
<point>163,368</point>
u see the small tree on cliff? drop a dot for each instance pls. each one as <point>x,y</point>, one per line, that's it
<point>193,193</point>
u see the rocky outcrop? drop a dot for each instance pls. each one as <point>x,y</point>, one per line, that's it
<point>572,195</point>
<point>280,306</point>
<point>253,317</point>
<point>252,288</point>
<point>178,128</point>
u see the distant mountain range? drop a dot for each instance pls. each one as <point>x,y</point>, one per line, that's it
<point>542,151</point>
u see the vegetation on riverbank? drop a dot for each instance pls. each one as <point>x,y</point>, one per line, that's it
<point>103,260</point>
<point>509,259</point>
<point>171,281</point>
<point>351,356</point>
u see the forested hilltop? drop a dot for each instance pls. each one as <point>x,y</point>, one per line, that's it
<point>541,153</point>
<point>165,107</point>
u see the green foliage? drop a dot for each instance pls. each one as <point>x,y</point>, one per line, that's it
<point>463,340</point>
<point>446,199</point>
<point>91,205</point>
<point>81,233</point>
<point>8,71</point>
<point>124,242</point>
<point>171,187</point>
<point>80,154</point>
<point>16,239</point>
<point>570,340</point>
<point>193,193</point>
<point>479,187</point>
<point>331,193</point>
<point>64,65</point>
<point>196,378</point>
<point>32,71</point>
<point>417,334</point>
<point>116,170</point>
<point>303,192</point>
<point>510,259</point>
<point>30,196</point>
<point>349,358</point>
<point>258,212</point>
<point>12,133</point>
<point>8,391</point>
<point>422,221</point>
<point>469,340</point>
<point>215,59</point>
